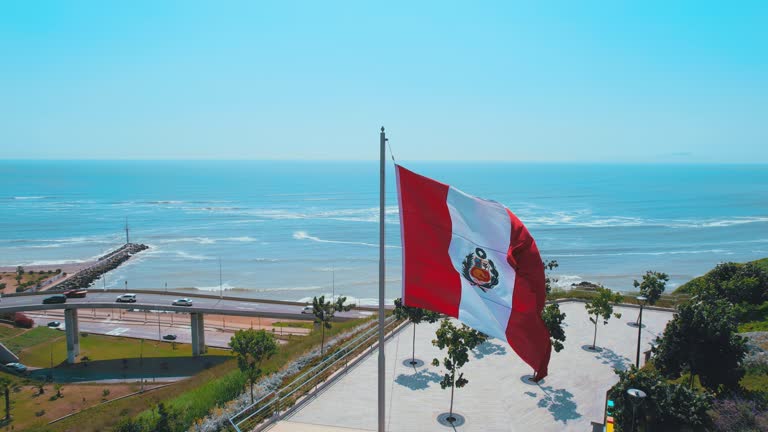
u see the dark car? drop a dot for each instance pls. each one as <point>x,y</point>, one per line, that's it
<point>58,298</point>
<point>75,293</point>
<point>169,337</point>
<point>54,324</point>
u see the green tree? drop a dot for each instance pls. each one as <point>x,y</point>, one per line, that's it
<point>168,419</point>
<point>652,285</point>
<point>551,314</point>
<point>701,340</point>
<point>128,425</point>
<point>324,312</point>
<point>415,316</point>
<point>601,306</point>
<point>2,285</point>
<point>666,407</point>
<point>252,347</point>
<point>458,341</point>
<point>19,274</point>
<point>737,283</point>
<point>5,385</point>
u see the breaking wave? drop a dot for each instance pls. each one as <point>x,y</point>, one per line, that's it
<point>302,235</point>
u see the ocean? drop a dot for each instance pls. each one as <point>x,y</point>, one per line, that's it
<point>291,229</point>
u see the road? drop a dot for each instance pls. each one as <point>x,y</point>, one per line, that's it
<point>163,302</point>
<point>214,337</point>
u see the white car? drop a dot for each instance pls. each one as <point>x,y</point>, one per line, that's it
<point>182,302</point>
<point>307,310</point>
<point>126,298</point>
<point>16,367</point>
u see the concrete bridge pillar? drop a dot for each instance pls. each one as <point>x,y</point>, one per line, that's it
<point>198,334</point>
<point>72,329</point>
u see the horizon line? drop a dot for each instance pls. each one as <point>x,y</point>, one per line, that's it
<point>496,161</point>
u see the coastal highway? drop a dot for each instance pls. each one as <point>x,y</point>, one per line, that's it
<point>158,301</point>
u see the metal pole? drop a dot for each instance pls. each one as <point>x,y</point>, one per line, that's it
<point>382,363</point>
<point>221,289</point>
<point>639,330</point>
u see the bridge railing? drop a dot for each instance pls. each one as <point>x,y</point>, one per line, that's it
<point>269,407</point>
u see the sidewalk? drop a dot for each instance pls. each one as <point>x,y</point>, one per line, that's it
<point>497,397</point>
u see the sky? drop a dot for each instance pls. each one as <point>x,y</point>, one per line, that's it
<point>610,81</point>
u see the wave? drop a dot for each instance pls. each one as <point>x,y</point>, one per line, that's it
<point>185,255</point>
<point>565,281</point>
<point>241,239</point>
<point>199,240</point>
<point>302,235</point>
<point>369,214</point>
<point>29,197</point>
<point>165,202</point>
<point>224,286</point>
<point>351,300</point>
<point>715,251</point>
<point>584,218</point>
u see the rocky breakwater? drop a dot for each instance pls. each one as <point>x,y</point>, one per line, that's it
<point>85,277</point>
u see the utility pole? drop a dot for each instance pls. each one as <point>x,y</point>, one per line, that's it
<point>221,286</point>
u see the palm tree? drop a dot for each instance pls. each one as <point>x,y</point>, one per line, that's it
<point>324,312</point>
<point>5,385</point>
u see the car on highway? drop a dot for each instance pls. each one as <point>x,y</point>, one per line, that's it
<point>308,310</point>
<point>54,324</point>
<point>58,298</point>
<point>170,337</point>
<point>126,298</point>
<point>182,302</point>
<point>16,367</point>
<point>75,293</point>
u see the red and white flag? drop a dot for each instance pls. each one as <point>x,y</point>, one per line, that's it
<point>474,260</point>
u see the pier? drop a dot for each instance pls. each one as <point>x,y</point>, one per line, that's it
<point>110,261</point>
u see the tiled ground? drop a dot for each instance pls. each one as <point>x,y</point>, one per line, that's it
<point>496,398</point>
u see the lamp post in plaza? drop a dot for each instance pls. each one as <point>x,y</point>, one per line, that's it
<point>636,398</point>
<point>642,300</point>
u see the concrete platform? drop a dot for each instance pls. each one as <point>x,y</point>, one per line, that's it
<point>289,426</point>
<point>497,398</point>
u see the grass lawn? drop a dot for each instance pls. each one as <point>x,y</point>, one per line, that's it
<point>196,396</point>
<point>8,331</point>
<point>32,337</point>
<point>298,324</point>
<point>101,347</point>
<point>29,409</point>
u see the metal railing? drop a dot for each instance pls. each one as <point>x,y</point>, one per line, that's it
<point>269,406</point>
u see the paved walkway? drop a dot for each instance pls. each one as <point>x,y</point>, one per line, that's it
<point>497,397</point>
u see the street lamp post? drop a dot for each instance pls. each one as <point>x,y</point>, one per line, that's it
<point>636,398</point>
<point>641,300</point>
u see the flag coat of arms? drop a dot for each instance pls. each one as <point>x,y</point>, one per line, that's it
<point>473,259</point>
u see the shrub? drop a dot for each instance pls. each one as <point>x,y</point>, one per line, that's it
<point>22,320</point>
<point>667,406</point>
<point>739,414</point>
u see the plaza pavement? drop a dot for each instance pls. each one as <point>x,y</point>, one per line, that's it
<point>497,398</point>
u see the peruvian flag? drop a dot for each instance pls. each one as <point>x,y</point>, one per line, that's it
<point>474,260</point>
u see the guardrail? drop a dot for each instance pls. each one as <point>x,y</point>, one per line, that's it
<point>269,407</point>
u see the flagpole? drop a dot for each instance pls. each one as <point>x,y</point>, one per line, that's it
<point>382,364</point>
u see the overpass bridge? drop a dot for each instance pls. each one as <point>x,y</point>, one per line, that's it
<point>158,301</point>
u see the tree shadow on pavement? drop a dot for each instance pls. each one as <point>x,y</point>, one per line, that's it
<point>418,381</point>
<point>131,368</point>
<point>559,402</point>
<point>489,348</point>
<point>616,361</point>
